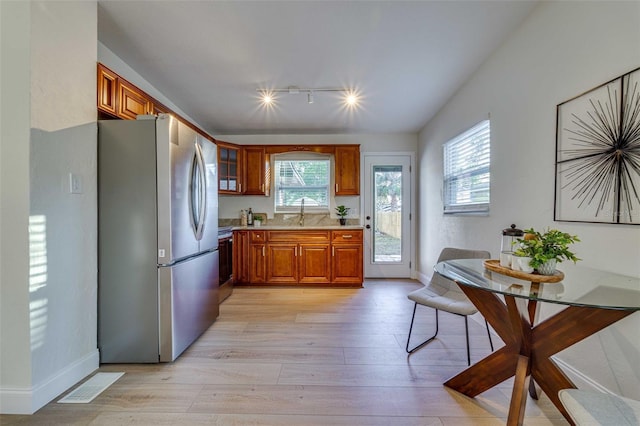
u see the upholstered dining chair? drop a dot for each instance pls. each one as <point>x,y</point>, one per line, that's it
<point>597,408</point>
<point>443,294</point>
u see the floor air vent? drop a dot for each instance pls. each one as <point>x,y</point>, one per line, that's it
<point>93,387</point>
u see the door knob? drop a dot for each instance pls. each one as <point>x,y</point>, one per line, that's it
<point>368,217</point>
<point>368,226</point>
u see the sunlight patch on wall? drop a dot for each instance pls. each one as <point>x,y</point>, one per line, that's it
<point>37,278</point>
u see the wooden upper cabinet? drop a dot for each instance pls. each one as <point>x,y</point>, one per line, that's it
<point>158,108</point>
<point>347,165</point>
<point>257,171</point>
<point>229,168</point>
<point>107,90</point>
<point>132,102</point>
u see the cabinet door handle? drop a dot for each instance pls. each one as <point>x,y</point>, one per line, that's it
<point>262,251</point>
<point>336,187</point>
<point>347,236</point>
<point>333,251</point>
<point>240,187</point>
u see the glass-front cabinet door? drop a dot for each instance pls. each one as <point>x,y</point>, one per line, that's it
<point>229,168</point>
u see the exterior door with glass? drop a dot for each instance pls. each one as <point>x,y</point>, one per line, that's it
<point>387,216</point>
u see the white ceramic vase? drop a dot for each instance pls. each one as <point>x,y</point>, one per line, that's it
<point>548,267</point>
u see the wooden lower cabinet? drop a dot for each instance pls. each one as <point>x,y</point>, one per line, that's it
<point>282,263</point>
<point>347,263</point>
<point>347,258</point>
<point>241,256</point>
<point>314,264</point>
<point>257,263</point>
<point>330,258</point>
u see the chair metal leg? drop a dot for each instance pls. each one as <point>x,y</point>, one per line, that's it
<point>466,330</point>
<point>410,351</point>
<point>489,334</point>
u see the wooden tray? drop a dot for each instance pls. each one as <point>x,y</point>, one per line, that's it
<point>494,265</point>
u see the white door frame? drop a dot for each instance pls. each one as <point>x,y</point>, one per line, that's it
<point>410,238</point>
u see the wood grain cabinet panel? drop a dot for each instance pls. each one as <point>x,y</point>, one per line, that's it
<point>257,171</point>
<point>314,257</point>
<point>347,170</point>
<point>282,265</point>
<point>347,263</point>
<point>107,90</point>
<point>241,256</point>
<point>314,264</point>
<point>132,102</point>
<point>347,257</point>
<point>158,108</point>
<point>257,263</point>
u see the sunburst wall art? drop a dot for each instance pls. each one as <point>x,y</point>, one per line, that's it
<point>598,154</point>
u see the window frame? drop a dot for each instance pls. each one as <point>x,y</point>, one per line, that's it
<point>302,156</point>
<point>463,146</point>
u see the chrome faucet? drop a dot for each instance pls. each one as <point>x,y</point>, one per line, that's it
<point>301,222</point>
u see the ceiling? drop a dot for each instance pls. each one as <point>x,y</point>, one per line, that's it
<point>404,59</point>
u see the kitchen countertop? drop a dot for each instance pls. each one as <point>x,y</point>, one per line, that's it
<point>297,228</point>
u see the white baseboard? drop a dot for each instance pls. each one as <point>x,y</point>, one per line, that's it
<point>29,400</point>
<point>579,379</point>
<point>424,279</point>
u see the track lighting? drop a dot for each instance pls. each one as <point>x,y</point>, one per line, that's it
<point>351,99</point>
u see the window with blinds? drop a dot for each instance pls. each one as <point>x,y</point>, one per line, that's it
<point>299,178</point>
<point>466,171</point>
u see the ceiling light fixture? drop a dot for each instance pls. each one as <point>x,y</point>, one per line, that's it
<point>267,95</point>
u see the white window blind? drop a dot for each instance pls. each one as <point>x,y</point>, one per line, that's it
<point>302,178</point>
<point>466,171</point>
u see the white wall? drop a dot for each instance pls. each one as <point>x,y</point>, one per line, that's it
<point>15,352</point>
<point>563,49</point>
<point>230,205</point>
<point>113,62</point>
<point>56,312</point>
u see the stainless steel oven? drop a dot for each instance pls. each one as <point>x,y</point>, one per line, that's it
<point>225,248</point>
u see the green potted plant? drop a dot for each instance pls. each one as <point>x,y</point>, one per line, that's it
<point>546,249</point>
<point>342,212</point>
<point>257,220</point>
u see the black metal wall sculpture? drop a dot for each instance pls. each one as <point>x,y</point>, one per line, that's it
<point>598,154</point>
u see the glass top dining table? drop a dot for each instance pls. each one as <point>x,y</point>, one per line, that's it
<point>592,300</point>
<point>581,286</point>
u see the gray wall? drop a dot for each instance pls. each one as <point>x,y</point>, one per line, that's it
<point>48,301</point>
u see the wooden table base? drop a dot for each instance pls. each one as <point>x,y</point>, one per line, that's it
<point>528,347</point>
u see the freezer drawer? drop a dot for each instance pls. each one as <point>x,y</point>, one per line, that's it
<point>188,302</point>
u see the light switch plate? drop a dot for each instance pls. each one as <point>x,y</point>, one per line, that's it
<point>75,183</point>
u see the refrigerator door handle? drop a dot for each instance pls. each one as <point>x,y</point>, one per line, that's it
<point>197,193</point>
<point>202,214</point>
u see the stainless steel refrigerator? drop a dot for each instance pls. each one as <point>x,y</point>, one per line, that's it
<point>158,238</point>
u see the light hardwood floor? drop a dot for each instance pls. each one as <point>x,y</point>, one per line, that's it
<point>306,356</point>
